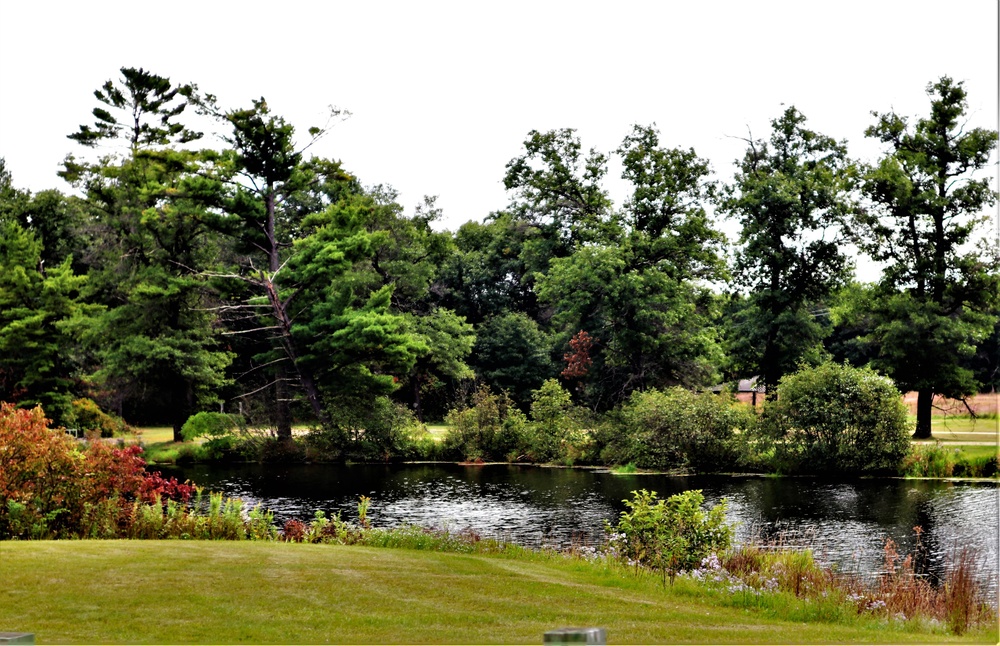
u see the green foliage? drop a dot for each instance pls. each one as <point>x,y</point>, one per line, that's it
<point>221,430</point>
<point>85,415</point>
<point>556,432</point>
<point>937,461</point>
<point>790,195</point>
<point>835,419</point>
<point>650,329</point>
<point>559,191</point>
<point>490,427</point>
<point>678,429</point>
<point>147,105</point>
<point>938,296</point>
<point>489,273</point>
<point>208,425</point>
<point>154,221</point>
<point>671,535</point>
<point>373,429</point>
<point>513,354</point>
<point>41,313</point>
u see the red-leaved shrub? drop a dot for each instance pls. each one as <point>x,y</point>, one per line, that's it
<point>48,480</point>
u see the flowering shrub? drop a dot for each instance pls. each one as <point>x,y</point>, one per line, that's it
<point>669,536</point>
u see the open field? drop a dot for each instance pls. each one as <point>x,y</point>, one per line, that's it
<point>982,404</point>
<point>225,592</point>
<point>965,429</point>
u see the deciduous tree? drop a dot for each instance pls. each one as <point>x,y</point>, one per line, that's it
<point>791,196</point>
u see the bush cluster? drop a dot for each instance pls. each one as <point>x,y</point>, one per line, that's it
<point>826,420</point>
<point>677,429</point>
<point>87,417</point>
<point>835,419</point>
<point>51,485</point>
<point>490,427</point>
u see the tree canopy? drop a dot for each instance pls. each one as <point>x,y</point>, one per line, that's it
<point>188,274</point>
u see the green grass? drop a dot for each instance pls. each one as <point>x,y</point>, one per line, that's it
<point>964,429</point>
<point>437,431</point>
<point>975,451</point>
<point>225,592</point>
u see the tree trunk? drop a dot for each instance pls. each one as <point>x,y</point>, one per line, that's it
<point>925,397</point>
<point>416,398</point>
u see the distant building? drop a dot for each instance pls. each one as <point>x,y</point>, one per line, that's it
<point>747,390</point>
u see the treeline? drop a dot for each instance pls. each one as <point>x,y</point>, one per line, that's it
<point>243,275</point>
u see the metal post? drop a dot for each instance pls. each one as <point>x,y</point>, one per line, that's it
<point>577,636</point>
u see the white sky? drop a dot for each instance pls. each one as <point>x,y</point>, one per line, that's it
<point>444,93</point>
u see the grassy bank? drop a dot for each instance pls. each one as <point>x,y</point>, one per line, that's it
<point>224,592</point>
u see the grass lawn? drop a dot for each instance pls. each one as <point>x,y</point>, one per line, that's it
<point>965,429</point>
<point>224,592</point>
<point>437,431</point>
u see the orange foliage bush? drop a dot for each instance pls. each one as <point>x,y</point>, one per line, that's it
<point>48,480</point>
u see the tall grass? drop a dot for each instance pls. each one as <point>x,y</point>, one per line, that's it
<point>937,461</point>
<point>766,576</point>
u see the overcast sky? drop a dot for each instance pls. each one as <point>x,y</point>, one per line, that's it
<point>444,93</point>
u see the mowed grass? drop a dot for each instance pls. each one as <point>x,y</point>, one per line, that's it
<point>224,592</point>
<point>965,429</point>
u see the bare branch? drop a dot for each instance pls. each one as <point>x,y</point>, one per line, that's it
<point>257,329</point>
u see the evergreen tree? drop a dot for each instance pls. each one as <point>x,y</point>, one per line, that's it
<point>938,297</point>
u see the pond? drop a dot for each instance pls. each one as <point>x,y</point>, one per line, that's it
<point>846,523</point>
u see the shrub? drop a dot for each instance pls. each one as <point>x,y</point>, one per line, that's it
<point>556,432</point>
<point>835,419</point>
<point>208,425</point>
<point>87,416</point>
<point>38,474</point>
<point>677,429</point>
<point>490,428</point>
<point>365,429</point>
<point>220,430</point>
<point>50,487</point>
<point>668,536</point>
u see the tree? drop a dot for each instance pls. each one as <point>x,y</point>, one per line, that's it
<point>154,213</point>
<point>307,241</point>
<point>641,291</point>
<point>791,194</point>
<point>937,298</point>
<point>560,192</point>
<point>406,257</point>
<point>512,354</point>
<point>487,274</point>
<point>147,106</point>
<point>41,312</point>
<point>56,220</point>
<point>264,154</point>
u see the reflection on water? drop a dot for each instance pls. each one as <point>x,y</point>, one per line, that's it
<point>844,523</point>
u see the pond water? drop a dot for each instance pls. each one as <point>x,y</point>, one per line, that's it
<point>846,523</point>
